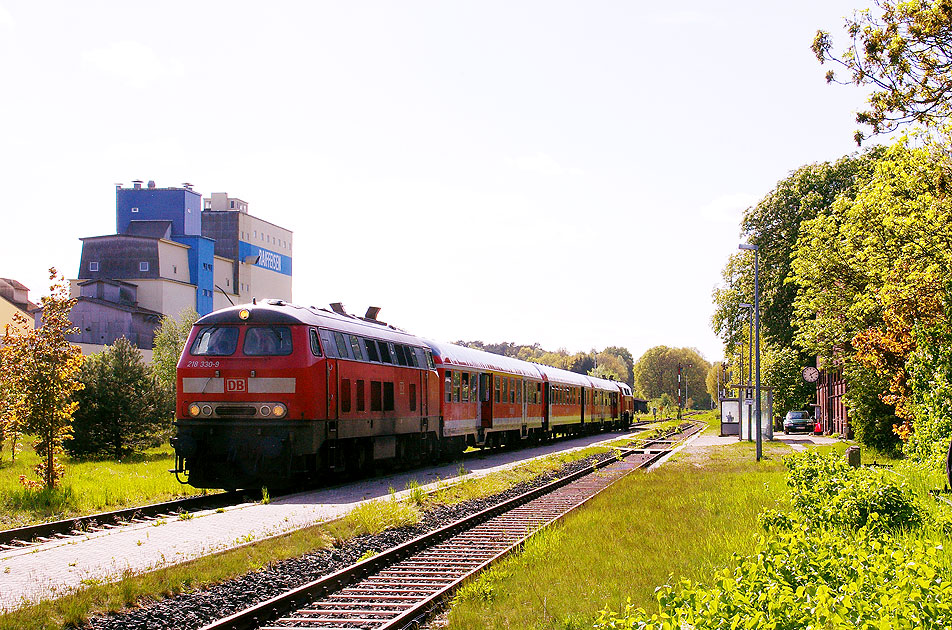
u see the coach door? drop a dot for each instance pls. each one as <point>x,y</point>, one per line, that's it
<point>486,400</point>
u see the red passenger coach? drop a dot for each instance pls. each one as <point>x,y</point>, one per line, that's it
<point>487,399</point>
<point>271,393</point>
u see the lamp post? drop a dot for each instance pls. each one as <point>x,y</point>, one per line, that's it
<point>756,250</point>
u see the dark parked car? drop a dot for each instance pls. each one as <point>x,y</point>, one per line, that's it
<point>798,421</point>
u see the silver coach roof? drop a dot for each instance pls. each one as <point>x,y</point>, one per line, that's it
<point>451,354</point>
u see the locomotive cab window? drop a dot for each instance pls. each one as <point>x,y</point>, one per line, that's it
<point>215,341</point>
<point>262,341</point>
<point>315,342</point>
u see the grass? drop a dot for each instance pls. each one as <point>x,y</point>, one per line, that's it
<point>138,589</point>
<point>684,519</point>
<point>87,487</point>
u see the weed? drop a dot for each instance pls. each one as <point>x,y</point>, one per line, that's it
<point>186,516</point>
<point>370,553</point>
<point>220,510</point>
<point>416,492</point>
<point>265,497</point>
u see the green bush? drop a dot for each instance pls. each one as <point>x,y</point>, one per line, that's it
<point>827,489</point>
<point>810,579</point>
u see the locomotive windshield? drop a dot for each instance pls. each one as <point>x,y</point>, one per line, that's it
<point>267,341</point>
<point>217,341</point>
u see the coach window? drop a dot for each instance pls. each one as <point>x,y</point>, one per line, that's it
<point>512,390</point>
<point>371,347</point>
<point>412,396</point>
<point>345,395</point>
<point>456,381</point>
<point>315,343</point>
<point>360,396</point>
<point>496,379</point>
<point>342,350</point>
<point>384,349</point>
<point>505,390</point>
<point>355,346</point>
<point>376,396</point>
<point>464,387</point>
<point>387,396</point>
<point>448,386</point>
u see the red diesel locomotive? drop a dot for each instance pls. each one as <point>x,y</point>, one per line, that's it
<point>273,394</point>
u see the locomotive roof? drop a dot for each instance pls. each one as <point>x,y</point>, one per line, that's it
<point>451,354</point>
<point>280,312</point>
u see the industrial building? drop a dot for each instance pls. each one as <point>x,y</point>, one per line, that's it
<point>173,250</point>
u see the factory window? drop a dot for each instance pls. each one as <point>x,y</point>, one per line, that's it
<point>135,209</point>
<point>94,266</point>
<point>143,266</point>
<point>233,204</point>
<point>174,269</point>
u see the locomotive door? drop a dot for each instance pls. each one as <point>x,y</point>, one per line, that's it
<point>333,381</point>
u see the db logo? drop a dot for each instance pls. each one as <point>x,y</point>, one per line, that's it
<point>235,385</point>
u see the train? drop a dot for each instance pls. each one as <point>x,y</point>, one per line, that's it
<point>273,394</point>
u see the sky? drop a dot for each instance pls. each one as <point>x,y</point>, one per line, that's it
<point>564,173</point>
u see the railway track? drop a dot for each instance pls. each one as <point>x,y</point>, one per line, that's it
<point>33,535</point>
<point>398,588</point>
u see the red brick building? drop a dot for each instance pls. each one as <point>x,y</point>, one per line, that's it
<point>830,410</point>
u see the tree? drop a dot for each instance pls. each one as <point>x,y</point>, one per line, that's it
<point>656,373</point>
<point>905,55</point>
<point>43,367</point>
<point>170,338</point>
<point>121,406</point>
<point>625,355</point>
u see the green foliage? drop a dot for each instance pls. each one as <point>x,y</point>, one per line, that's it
<point>810,578</point>
<point>782,369</point>
<point>41,366</point>
<point>930,383</point>
<point>871,420</point>
<point>826,489</point>
<point>656,373</point>
<point>120,409</point>
<point>842,559</point>
<point>170,338</point>
<point>904,56</point>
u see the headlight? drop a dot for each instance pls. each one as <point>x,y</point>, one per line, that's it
<point>206,410</point>
<point>265,410</point>
<point>279,410</point>
<point>194,410</point>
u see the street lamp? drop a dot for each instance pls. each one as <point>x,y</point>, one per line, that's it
<point>756,250</point>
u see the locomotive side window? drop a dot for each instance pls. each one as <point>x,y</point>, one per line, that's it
<point>216,341</point>
<point>371,348</point>
<point>384,352</point>
<point>327,341</point>
<point>343,349</point>
<point>429,360</point>
<point>360,396</point>
<point>421,357</point>
<point>315,344</point>
<point>263,341</point>
<point>412,357</point>
<point>399,352</point>
<point>355,346</point>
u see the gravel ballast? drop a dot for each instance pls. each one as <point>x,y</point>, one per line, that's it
<point>198,608</point>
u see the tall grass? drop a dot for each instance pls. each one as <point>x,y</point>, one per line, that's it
<point>684,518</point>
<point>87,487</point>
